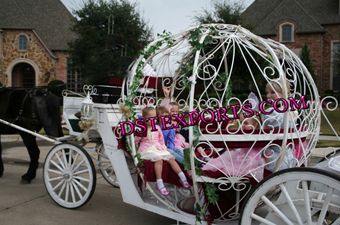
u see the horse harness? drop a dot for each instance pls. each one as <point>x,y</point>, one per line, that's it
<point>29,95</point>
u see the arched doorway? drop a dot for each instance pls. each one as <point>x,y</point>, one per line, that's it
<point>23,75</point>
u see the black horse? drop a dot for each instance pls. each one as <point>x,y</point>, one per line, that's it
<point>31,109</point>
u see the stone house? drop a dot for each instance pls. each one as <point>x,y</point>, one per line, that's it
<point>33,42</point>
<point>296,22</point>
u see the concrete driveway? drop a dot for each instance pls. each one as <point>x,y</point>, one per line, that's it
<point>31,205</point>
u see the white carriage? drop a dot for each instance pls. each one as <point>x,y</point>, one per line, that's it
<point>199,65</point>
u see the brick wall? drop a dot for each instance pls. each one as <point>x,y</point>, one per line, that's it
<point>320,46</point>
<point>36,53</point>
<point>332,35</point>
<point>61,73</point>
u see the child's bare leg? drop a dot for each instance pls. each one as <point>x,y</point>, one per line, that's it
<point>159,180</point>
<point>201,151</point>
<point>178,170</point>
<point>159,169</point>
<point>174,165</point>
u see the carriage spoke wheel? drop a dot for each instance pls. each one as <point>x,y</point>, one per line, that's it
<point>294,196</point>
<point>106,168</point>
<point>69,175</point>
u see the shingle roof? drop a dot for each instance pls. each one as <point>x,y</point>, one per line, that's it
<point>308,15</point>
<point>49,18</point>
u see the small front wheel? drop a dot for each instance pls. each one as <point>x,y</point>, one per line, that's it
<point>69,175</point>
<point>106,168</point>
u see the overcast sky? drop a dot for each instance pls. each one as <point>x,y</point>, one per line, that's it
<point>169,15</point>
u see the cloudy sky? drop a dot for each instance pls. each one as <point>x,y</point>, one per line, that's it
<point>169,15</point>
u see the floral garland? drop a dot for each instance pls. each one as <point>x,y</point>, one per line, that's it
<point>128,107</point>
<point>129,104</point>
<point>210,189</point>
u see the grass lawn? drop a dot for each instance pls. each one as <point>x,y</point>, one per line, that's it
<point>334,118</point>
<point>327,143</point>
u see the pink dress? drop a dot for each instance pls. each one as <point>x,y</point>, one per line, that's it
<point>152,146</point>
<point>180,142</point>
<point>238,163</point>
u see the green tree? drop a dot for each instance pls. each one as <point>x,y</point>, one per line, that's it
<point>230,12</point>
<point>223,11</point>
<point>305,58</point>
<point>101,46</point>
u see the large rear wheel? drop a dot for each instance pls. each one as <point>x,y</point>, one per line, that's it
<point>294,196</point>
<point>69,175</point>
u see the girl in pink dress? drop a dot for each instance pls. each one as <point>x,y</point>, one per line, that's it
<point>241,161</point>
<point>152,148</point>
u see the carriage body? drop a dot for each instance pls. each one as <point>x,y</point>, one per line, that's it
<point>200,65</point>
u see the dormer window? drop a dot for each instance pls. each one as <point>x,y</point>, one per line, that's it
<point>22,42</point>
<point>287,32</point>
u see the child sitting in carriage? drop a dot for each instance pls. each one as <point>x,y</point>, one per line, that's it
<point>169,135</point>
<point>173,107</point>
<point>152,147</point>
<point>275,120</point>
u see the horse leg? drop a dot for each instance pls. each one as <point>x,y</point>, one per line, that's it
<point>34,152</point>
<point>1,162</point>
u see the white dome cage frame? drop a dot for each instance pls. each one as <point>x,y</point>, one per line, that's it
<point>261,57</point>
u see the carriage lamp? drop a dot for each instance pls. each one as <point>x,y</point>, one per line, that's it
<point>87,107</point>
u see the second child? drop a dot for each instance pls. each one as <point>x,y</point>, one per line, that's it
<point>169,134</point>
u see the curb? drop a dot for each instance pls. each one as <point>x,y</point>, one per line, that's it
<point>10,138</point>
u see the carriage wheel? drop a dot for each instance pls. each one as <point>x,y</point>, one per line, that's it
<point>294,196</point>
<point>69,175</point>
<point>106,168</point>
<point>331,155</point>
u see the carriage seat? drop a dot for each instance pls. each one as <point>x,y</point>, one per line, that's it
<point>168,175</point>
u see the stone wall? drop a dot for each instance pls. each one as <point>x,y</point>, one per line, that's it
<point>47,66</point>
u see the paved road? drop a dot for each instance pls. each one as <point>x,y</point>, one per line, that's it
<point>31,205</point>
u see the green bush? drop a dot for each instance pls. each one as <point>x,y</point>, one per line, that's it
<point>329,92</point>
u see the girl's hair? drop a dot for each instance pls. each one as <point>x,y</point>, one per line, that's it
<point>146,111</point>
<point>162,109</point>
<point>174,104</point>
<point>256,119</point>
<point>277,85</point>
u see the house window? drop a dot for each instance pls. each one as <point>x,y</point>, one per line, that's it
<point>336,67</point>
<point>287,32</point>
<point>22,42</point>
<point>73,78</point>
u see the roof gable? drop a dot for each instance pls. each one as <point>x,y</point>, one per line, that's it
<point>49,18</point>
<point>288,10</point>
<point>308,15</point>
<point>324,11</point>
